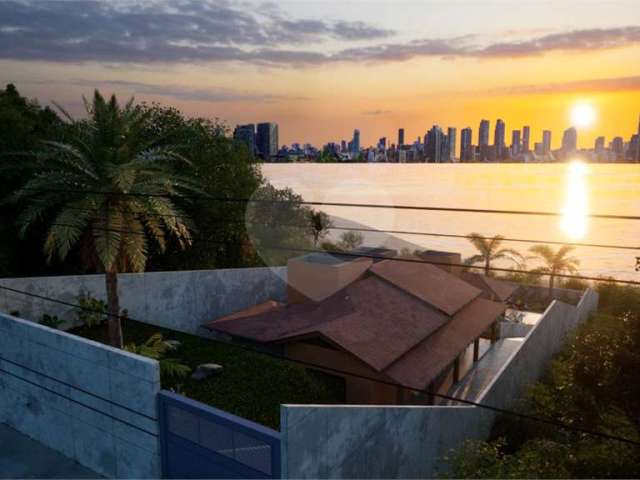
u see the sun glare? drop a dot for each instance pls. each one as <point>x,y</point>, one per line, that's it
<point>575,212</point>
<point>583,115</point>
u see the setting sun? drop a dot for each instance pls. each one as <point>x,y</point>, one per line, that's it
<point>583,115</point>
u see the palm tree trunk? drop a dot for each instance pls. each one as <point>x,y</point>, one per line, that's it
<point>487,266</point>
<point>113,309</point>
<point>552,279</point>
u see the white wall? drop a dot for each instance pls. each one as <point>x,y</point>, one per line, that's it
<point>410,441</point>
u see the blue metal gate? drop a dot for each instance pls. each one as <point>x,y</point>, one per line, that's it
<point>199,441</point>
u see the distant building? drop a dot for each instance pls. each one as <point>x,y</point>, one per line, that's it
<point>617,147</point>
<point>483,134</point>
<point>355,143</point>
<point>570,140</point>
<point>546,142</point>
<point>433,145</point>
<point>466,145</point>
<point>599,145</point>
<point>539,149</point>
<point>452,135</point>
<point>526,139</point>
<point>516,147</point>
<point>483,139</point>
<point>267,140</point>
<point>382,143</point>
<point>499,138</point>
<point>246,134</point>
<point>400,137</point>
<point>637,144</point>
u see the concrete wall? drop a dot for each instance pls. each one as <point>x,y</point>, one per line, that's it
<point>180,300</point>
<point>93,403</point>
<point>511,329</point>
<point>410,441</point>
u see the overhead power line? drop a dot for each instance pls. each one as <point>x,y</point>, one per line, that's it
<point>407,232</point>
<point>342,204</point>
<point>396,259</point>
<point>548,421</point>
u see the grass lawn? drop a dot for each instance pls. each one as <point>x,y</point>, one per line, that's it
<point>251,385</point>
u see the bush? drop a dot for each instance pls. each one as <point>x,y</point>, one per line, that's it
<point>50,321</point>
<point>91,312</point>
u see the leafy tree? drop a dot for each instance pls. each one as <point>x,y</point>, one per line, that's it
<point>278,225</point>
<point>319,224</point>
<point>350,240</point>
<point>225,170</point>
<point>106,153</point>
<point>556,262</point>
<point>490,251</point>
<point>23,123</point>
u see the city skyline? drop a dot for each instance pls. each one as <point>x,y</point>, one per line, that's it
<point>321,68</point>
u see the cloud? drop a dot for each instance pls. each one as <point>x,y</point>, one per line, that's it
<point>180,92</point>
<point>164,31</point>
<point>595,85</point>
<point>377,112</point>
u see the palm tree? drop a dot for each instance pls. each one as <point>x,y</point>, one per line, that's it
<point>556,262</point>
<point>107,191</point>
<point>319,225</point>
<point>490,250</point>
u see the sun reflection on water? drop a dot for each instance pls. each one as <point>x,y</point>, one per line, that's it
<point>576,206</point>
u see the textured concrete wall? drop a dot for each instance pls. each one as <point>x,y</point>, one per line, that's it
<point>511,329</point>
<point>180,300</point>
<point>410,441</point>
<point>93,403</point>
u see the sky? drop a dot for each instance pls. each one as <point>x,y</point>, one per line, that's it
<point>321,68</point>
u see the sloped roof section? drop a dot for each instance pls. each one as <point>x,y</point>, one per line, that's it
<point>432,285</point>
<point>424,363</point>
<point>381,324</point>
<point>492,288</point>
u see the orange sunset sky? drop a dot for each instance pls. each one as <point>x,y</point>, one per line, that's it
<point>322,68</point>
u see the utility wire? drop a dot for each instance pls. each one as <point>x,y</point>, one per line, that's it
<point>396,259</point>
<point>548,421</point>
<point>338,204</point>
<point>405,232</point>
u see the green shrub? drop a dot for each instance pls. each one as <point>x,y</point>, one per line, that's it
<point>156,347</point>
<point>51,321</point>
<point>92,311</point>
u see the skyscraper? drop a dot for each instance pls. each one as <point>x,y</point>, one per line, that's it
<point>526,139</point>
<point>515,142</point>
<point>400,137</point>
<point>546,142</point>
<point>499,140</point>
<point>599,145</point>
<point>355,143</point>
<point>466,145</point>
<point>617,147</point>
<point>483,140</point>
<point>246,134</point>
<point>433,145</point>
<point>637,155</point>
<point>452,136</point>
<point>382,143</point>
<point>267,140</point>
<point>483,137</point>
<point>570,140</point>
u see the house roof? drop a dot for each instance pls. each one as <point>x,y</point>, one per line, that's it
<point>433,285</point>
<point>492,288</point>
<point>407,321</point>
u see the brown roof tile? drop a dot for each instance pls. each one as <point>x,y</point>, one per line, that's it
<point>438,288</point>
<point>424,363</point>
<point>492,288</point>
